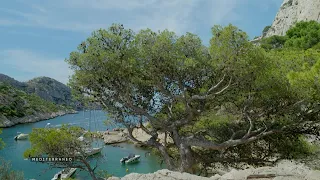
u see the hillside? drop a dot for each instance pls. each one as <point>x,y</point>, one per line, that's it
<point>9,80</point>
<point>38,99</point>
<point>47,88</point>
<point>50,90</point>
<point>292,11</point>
<point>16,106</point>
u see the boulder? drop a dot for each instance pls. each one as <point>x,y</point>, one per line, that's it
<point>163,174</point>
<point>113,138</point>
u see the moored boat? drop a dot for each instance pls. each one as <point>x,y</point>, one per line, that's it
<point>91,151</point>
<point>64,174</point>
<point>48,125</point>
<point>132,158</point>
<point>21,136</point>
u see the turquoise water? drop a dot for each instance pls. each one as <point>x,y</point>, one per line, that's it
<point>109,160</point>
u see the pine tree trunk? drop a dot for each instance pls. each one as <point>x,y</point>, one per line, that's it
<point>166,157</point>
<point>186,158</point>
<point>90,170</point>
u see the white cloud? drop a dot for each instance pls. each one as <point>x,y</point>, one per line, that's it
<point>34,65</point>
<point>86,16</point>
<point>39,8</point>
<point>223,10</point>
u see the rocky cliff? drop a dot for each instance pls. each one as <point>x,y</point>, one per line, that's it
<point>50,90</point>
<point>292,11</point>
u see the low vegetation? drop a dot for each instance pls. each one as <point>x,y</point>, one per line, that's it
<point>8,174</point>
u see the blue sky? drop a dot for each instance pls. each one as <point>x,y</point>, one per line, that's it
<point>37,35</point>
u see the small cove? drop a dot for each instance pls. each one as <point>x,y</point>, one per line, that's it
<point>13,150</point>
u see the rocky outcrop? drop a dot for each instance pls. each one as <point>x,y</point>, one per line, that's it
<point>119,136</point>
<point>50,90</point>
<point>142,136</point>
<point>5,122</point>
<point>285,170</point>
<point>114,137</point>
<point>292,11</point>
<point>163,174</point>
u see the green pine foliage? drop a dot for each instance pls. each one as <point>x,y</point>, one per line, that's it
<point>303,35</point>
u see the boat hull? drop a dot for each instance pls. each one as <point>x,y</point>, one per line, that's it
<point>64,175</point>
<point>132,160</point>
<point>94,151</point>
<point>91,152</point>
<point>21,137</point>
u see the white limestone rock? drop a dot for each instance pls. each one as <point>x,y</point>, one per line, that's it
<point>292,11</point>
<point>285,170</point>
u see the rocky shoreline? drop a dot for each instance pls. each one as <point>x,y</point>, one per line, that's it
<point>5,122</point>
<point>120,135</point>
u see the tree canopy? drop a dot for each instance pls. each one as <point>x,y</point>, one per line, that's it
<point>303,35</point>
<point>223,98</point>
<point>44,143</point>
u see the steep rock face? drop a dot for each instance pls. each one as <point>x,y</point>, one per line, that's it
<point>292,11</point>
<point>50,90</point>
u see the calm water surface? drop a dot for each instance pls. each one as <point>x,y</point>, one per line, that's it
<point>93,121</point>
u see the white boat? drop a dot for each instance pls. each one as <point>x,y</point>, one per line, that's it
<point>81,138</point>
<point>130,159</point>
<point>48,125</point>
<point>64,174</point>
<point>91,151</point>
<point>21,136</point>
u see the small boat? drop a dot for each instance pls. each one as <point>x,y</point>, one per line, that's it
<point>64,174</point>
<point>91,151</point>
<point>48,125</point>
<point>132,158</point>
<point>81,138</point>
<point>21,136</point>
